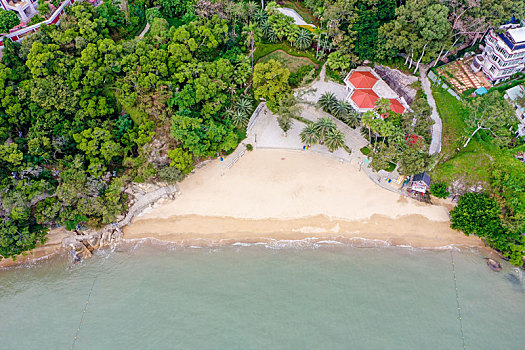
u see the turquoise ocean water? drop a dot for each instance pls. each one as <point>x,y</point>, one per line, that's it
<point>314,297</point>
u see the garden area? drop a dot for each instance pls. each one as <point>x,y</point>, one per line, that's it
<point>293,63</point>
<point>471,164</point>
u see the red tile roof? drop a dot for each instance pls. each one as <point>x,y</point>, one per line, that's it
<point>365,98</point>
<point>362,80</point>
<point>396,106</point>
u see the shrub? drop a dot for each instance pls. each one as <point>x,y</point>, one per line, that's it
<point>439,190</point>
<point>153,13</point>
<point>249,147</point>
<point>35,19</point>
<point>170,174</point>
<point>296,78</point>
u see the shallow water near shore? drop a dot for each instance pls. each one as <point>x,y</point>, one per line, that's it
<point>146,296</point>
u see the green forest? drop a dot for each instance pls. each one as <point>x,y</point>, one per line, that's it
<point>90,105</point>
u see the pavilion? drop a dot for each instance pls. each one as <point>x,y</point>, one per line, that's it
<point>366,87</point>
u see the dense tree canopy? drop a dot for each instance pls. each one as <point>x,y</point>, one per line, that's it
<point>82,114</point>
<point>8,19</point>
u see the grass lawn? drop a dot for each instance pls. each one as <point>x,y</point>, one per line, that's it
<point>452,114</point>
<point>473,163</point>
<point>293,63</point>
<point>263,49</point>
<point>301,10</point>
<point>365,150</point>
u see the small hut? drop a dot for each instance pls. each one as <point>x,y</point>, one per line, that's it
<point>420,183</point>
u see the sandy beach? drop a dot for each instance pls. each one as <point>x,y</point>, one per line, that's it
<point>273,195</point>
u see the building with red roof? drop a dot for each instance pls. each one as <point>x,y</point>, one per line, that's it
<point>396,106</point>
<point>365,98</point>
<point>362,80</point>
<point>366,87</point>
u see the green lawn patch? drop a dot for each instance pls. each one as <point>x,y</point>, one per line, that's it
<point>293,63</point>
<point>452,113</point>
<point>365,150</point>
<point>263,49</point>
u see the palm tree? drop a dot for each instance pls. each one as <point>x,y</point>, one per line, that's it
<point>340,109</point>
<point>309,135</point>
<point>335,139</point>
<point>261,16</point>
<point>271,36</point>
<point>229,111</point>
<point>291,34</point>
<point>303,40</point>
<point>352,119</point>
<point>239,119</point>
<point>244,105</point>
<point>367,120</point>
<point>327,100</point>
<point>323,126</point>
<point>251,8</point>
<point>285,122</point>
<point>382,106</point>
<point>266,28</point>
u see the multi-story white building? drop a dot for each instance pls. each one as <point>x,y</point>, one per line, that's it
<point>504,54</point>
<point>25,9</point>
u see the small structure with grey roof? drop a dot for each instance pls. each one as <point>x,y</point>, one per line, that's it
<point>420,183</point>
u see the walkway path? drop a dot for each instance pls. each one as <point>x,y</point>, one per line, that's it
<point>145,200</point>
<point>144,31</point>
<point>297,17</point>
<point>437,128</point>
<point>266,133</point>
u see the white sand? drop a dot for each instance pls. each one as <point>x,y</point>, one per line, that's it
<point>292,195</point>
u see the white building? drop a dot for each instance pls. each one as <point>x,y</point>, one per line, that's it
<point>504,54</point>
<point>25,9</point>
<point>512,95</point>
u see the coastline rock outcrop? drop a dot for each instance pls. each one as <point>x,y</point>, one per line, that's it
<point>83,243</point>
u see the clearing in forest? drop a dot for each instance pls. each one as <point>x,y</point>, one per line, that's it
<point>293,63</point>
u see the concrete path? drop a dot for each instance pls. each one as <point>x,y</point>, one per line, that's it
<point>144,31</point>
<point>313,91</point>
<point>297,17</point>
<point>437,128</point>
<point>266,133</point>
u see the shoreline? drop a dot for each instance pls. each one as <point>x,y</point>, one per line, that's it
<point>282,195</point>
<point>195,230</point>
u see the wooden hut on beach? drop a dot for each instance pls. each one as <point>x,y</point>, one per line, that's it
<point>420,183</point>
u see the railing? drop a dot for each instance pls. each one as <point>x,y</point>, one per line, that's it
<point>54,19</point>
